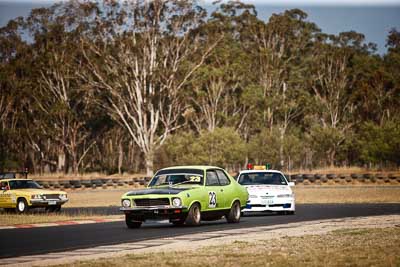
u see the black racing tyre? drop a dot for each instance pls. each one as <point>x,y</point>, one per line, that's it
<point>22,205</point>
<point>233,216</point>
<point>132,222</point>
<point>194,215</point>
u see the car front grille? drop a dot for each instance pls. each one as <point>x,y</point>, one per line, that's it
<point>51,196</point>
<point>151,202</point>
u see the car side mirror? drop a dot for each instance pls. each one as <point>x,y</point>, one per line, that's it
<point>291,183</point>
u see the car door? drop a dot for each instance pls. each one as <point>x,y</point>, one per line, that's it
<point>214,190</point>
<point>226,188</point>
<point>5,195</point>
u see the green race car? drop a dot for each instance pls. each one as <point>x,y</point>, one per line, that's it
<point>186,195</point>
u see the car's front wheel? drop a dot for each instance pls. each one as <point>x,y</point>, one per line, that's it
<point>22,205</point>
<point>132,221</point>
<point>194,216</point>
<point>234,213</point>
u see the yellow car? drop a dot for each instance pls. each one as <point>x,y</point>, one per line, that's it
<point>22,194</point>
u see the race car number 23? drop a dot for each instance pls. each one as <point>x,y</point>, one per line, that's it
<point>212,199</point>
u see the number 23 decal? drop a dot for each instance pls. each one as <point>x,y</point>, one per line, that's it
<point>212,199</point>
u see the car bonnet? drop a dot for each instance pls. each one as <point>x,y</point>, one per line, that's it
<point>157,191</point>
<point>268,188</point>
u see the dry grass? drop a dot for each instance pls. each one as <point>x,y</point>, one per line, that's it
<point>320,194</point>
<point>354,194</point>
<point>357,247</point>
<point>15,219</point>
<point>95,198</point>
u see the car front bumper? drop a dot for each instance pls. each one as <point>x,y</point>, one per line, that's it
<point>48,202</point>
<point>275,204</point>
<point>156,212</point>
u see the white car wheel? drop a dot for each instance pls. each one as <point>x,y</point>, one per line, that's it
<point>22,206</point>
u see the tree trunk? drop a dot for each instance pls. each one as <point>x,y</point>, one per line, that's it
<point>120,157</point>
<point>149,160</point>
<point>331,156</point>
<point>74,163</point>
<point>61,160</point>
<point>281,156</point>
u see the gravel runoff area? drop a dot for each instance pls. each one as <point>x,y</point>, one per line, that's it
<point>243,246</point>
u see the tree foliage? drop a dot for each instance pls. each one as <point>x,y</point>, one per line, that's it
<point>115,86</point>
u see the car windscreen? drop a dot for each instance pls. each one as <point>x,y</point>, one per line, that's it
<point>178,176</point>
<point>23,184</point>
<point>262,178</point>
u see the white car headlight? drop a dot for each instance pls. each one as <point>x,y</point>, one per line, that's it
<point>63,196</point>
<point>36,196</point>
<point>126,203</point>
<point>285,195</point>
<point>253,196</point>
<point>176,202</point>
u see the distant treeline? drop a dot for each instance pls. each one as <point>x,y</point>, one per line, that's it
<point>114,86</point>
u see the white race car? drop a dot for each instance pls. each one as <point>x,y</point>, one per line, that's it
<point>269,190</point>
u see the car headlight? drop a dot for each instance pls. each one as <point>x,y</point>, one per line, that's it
<point>36,197</point>
<point>253,196</point>
<point>176,202</point>
<point>63,196</point>
<point>126,203</point>
<point>286,195</point>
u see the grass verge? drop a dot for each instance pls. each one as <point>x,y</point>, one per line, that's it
<point>15,219</point>
<point>356,247</point>
<point>321,194</point>
<point>353,194</point>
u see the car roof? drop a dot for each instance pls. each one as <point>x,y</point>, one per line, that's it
<point>199,167</point>
<point>255,171</point>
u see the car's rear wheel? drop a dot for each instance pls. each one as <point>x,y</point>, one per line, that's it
<point>22,205</point>
<point>194,215</point>
<point>234,213</point>
<point>132,221</point>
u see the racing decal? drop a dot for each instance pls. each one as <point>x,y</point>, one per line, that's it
<point>212,199</point>
<point>13,198</point>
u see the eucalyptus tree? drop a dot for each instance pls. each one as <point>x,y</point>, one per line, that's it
<point>144,56</point>
<point>332,85</point>
<point>15,55</point>
<point>60,95</point>
<point>219,83</point>
<point>282,47</point>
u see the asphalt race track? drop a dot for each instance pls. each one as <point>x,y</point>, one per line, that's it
<point>21,242</point>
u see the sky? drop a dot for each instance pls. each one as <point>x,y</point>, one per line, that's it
<point>373,18</point>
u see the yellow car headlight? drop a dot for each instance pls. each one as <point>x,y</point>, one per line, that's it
<point>36,197</point>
